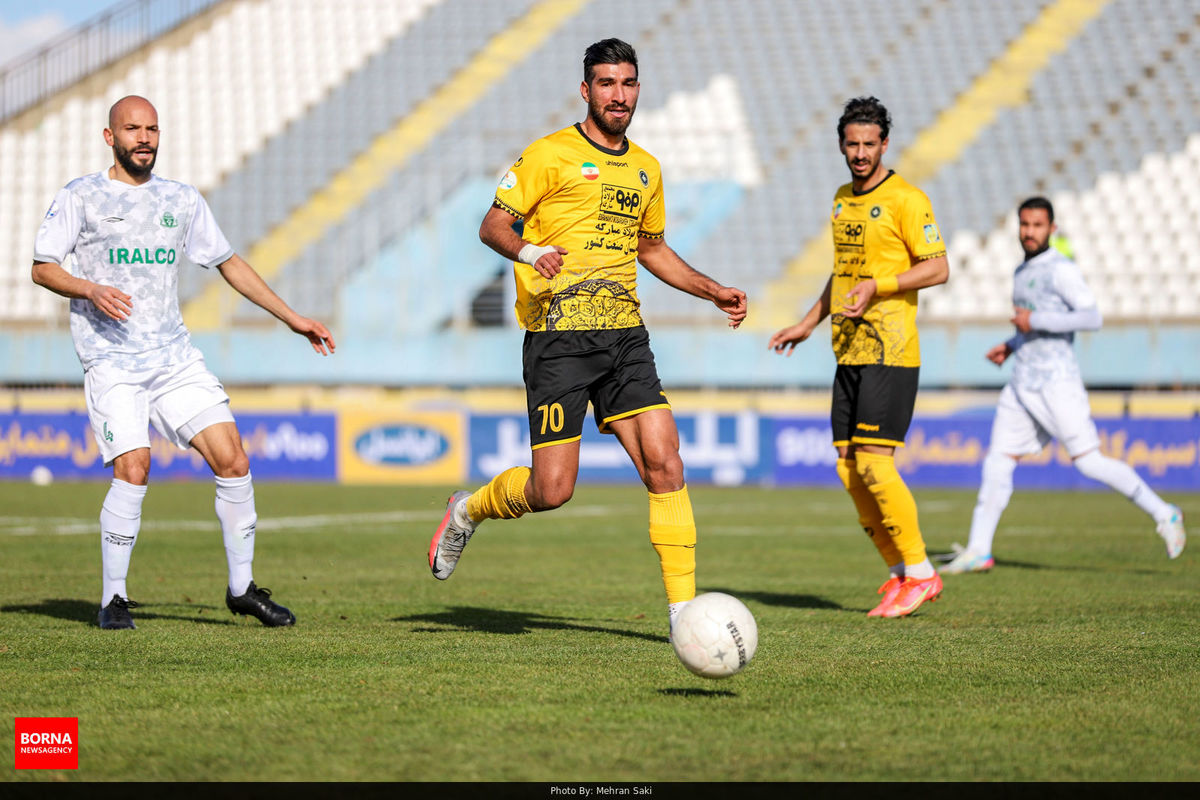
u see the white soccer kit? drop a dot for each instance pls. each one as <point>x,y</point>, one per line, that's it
<point>143,369</point>
<point>1046,398</point>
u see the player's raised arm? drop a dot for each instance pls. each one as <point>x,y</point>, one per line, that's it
<point>249,284</point>
<point>666,265</point>
<point>496,231</point>
<point>923,274</point>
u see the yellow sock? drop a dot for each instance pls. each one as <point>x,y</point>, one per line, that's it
<point>673,535</point>
<point>502,498</point>
<point>896,503</point>
<point>869,515</point>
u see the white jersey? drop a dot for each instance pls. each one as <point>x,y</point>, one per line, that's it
<point>1052,287</point>
<point>132,238</point>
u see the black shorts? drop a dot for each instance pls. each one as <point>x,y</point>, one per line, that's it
<point>614,369</point>
<point>872,404</point>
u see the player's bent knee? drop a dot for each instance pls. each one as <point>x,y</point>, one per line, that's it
<point>234,465</point>
<point>133,467</point>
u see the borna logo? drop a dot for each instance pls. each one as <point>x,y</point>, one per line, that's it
<point>401,444</point>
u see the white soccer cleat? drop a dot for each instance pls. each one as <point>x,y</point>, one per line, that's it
<point>968,561</point>
<point>1171,530</point>
<point>452,536</point>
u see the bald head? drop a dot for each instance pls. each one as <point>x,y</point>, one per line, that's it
<point>132,133</point>
<point>127,107</point>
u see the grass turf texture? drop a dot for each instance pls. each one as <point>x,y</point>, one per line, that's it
<point>544,658</point>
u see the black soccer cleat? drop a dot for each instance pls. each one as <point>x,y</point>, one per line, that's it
<point>257,603</point>
<point>115,616</point>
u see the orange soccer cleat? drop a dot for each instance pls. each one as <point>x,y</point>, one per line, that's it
<point>889,590</point>
<point>911,595</point>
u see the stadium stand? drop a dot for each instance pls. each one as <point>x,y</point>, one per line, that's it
<point>367,133</point>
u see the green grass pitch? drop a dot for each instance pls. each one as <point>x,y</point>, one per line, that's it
<point>545,658</point>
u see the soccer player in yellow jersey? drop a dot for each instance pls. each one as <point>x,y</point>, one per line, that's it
<point>592,204</point>
<point>886,247</point>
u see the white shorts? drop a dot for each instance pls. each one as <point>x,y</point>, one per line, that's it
<point>123,403</point>
<point>1026,420</point>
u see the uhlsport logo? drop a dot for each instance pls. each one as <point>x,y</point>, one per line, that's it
<point>46,743</point>
<point>401,445</point>
<point>589,171</point>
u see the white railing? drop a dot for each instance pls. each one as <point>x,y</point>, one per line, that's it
<point>91,46</point>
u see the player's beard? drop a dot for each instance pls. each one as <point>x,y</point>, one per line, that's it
<point>125,159</point>
<point>610,127</point>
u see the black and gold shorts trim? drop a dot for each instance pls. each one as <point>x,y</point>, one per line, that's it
<point>564,370</point>
<point>872,404</point>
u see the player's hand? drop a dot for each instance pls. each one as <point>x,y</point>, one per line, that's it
<point>111,301</point>
<point>550,264</point>
<point>733,302</point>
<point>789,337</point>
<point>858,298</point>
<point>999,354</point>
<point>317,334</point>
<point>1020,319</point>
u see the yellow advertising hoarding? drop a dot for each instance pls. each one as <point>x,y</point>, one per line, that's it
<point>398,446</point>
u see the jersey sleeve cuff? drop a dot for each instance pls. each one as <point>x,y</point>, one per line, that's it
<point>218,262</point>
<point>649,235</point>
<point>931,255</point>
<point>503,206</point>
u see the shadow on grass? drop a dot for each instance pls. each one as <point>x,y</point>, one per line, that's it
<point>82,611</point>
<point>491,620</point>
<point>779,599</point>
<point>1004,562</point>
<point>690,692</point>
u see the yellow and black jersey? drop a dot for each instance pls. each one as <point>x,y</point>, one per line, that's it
<point>880,233</point>
<point>593,202</point>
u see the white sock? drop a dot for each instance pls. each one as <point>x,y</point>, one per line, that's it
<point>120,520</point>
<point>673,610</point>
<point>235,510</point>
<point>995,490</point>
<point>919,572</point>
<point>1121,476</point>
<point>897,570</point>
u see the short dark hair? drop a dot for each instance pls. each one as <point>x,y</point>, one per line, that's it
<point>1037,202</point>
<point>607,51</point>
<point>864,111</point>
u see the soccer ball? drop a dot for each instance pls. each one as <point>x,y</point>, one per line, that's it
<point>715,635</point>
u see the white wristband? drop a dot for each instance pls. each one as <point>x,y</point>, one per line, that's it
<point>531,253</point>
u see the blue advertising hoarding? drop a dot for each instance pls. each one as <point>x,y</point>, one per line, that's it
<point>295,447</point>
<point>720,448</point>
<point>948,452</point>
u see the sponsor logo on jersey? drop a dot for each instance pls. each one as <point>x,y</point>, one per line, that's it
<point>108,435</point>
<point>589,171</point>
<point>643,177</point>
<point>875,212</point>
<point>837,210</point>
<point>401,445</point>
<point>612,163</point>
<point>141,255</point>
<point>168,220</point>
<point>509,180</point>
<point>931,234</point>
<point>620,201</point>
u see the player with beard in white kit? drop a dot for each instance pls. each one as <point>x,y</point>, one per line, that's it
<point>1045,398</point>
<point>128,230</point>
